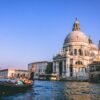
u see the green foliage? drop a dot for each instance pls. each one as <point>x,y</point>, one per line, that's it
<point>49,68</point>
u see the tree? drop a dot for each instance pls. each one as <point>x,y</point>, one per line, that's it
<point>49,68</point>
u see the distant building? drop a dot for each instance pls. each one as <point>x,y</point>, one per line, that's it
<point>39,68</point>
<point>78,51</point>
<point>13,73</point>
<point>94,68</point>
<point>94,74</point>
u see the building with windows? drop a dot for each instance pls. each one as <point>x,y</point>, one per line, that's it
<point>94,68</point>
<point>39,68</point>
<point>77,53</point>
<point>94,71</point>
<point>13,73</point>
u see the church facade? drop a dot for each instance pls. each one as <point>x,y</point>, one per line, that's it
<point>77,53</point>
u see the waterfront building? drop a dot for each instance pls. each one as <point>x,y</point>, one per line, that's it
<point>94,71</point>
<point>13,73</point>
<point>94,68</point>
<point>38,68</point>
<point>77,52</point>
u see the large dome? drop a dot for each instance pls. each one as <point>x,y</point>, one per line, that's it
<point>76,35</point>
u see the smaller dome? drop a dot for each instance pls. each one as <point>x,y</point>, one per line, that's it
<point>93,47</point>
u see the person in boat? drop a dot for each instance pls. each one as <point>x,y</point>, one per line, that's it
<point>26,81</point>
<point>19,82</point>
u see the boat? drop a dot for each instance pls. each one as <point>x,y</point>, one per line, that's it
<point>9,88</point>
<point>53,77</point>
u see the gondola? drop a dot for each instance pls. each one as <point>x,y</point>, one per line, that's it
<point>9,88</point>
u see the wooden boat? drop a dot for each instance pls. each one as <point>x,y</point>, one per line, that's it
<point>8,88</point>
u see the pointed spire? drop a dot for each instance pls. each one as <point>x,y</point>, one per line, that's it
<point>76,25</point>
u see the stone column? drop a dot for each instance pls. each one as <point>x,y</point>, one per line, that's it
<point>67,67</point>
<point>54,67</point>
<point>57,68</point>
<point>63,68</point>
<point>74,68</point>
<point>68,51</point>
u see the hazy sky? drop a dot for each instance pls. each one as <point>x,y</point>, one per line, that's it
<point>34,30</point>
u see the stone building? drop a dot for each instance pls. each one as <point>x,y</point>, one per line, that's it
<point>94,68</point>
<point>38,68</point>
<point>13,73</point>
<point>77,52</point>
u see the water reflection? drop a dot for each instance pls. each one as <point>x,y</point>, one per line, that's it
<point>82,91</point>
<point>50,90</point>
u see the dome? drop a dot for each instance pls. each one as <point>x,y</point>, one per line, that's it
<point>93,47</point>
<point>76,35</point>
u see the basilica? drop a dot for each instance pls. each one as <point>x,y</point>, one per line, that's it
<point>77,53</point>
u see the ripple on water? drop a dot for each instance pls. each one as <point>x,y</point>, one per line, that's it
<point>49,90</point>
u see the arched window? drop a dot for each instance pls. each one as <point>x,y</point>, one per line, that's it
<point>75,51</point>
<point>18,75</point>
<point>79,63</point>
<point>80,52</point>
<point>71,52</point>
<point>23,75</point>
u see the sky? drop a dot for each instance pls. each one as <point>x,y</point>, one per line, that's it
<point>34,30</point>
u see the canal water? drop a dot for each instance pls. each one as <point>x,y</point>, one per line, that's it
<point>57,90</point>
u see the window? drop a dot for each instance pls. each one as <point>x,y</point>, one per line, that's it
<point>85,70</point>
<point>75,51</point>
<point>71,61</point>
<point>80,52</point>
<point>23,75</point>
<point>71,52</point>
<point>79,63</point>
<point>18,75</point>
<point>99,76</point>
